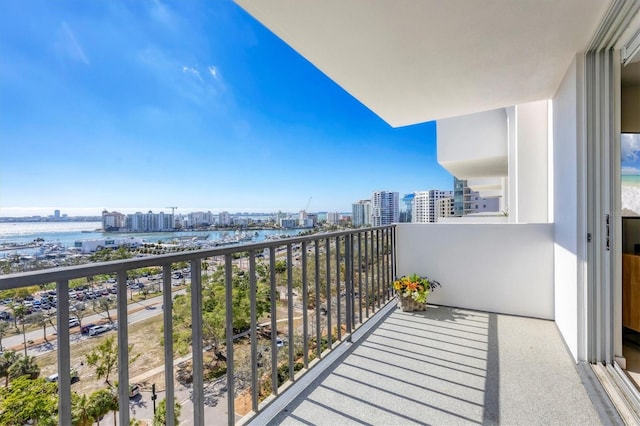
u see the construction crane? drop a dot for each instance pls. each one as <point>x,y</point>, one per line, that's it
<point>173,214</point>
<point>308,202</point>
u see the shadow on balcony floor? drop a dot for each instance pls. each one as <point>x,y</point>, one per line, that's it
<point>448,366</point>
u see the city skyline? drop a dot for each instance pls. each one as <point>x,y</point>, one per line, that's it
<point>198,106</point>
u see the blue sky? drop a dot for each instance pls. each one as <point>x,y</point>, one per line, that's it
<point>630,150</point>
<point>139,105</point>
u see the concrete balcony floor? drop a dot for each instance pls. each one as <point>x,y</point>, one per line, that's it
<point>447,366</point>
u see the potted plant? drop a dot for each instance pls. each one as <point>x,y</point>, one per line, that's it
<point>412,291</point>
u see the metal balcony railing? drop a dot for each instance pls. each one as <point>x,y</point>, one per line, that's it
<point>339,279</point>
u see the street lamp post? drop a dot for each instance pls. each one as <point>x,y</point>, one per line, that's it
<point>154,397</point>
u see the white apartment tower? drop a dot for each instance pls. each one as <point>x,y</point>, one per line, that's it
<point>425,205</point>
<point>333,218</point>
<point>113,220</point>
<point>385,208</point>
<point>150,222</point>
<point>200,219</point>
<point>224,219</point>
<point>361,212</point>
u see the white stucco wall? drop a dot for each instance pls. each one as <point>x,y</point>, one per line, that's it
<point>532,158</point>
<point>504,268</point>
<point>565,187</point>
<point>474,145</point>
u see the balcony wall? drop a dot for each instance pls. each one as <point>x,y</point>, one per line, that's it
<point>474,145</point>
<point>502,268</point>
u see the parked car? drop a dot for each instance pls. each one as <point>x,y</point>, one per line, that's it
<point>98,329</point>
<point>4,315</point>
<point>134,390</point>
<point>85,328</point>
<point>74,322</point>
<point>74,376</point>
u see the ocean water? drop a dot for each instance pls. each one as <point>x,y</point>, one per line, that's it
<point>631,180</point>
<point>62,232</point>
<point>67,233</point>
<point>630,192</point>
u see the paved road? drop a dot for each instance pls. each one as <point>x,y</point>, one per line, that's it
<point>150,307</point>
<point>141,408</point>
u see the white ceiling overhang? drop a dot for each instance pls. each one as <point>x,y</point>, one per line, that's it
<point>412,61</point>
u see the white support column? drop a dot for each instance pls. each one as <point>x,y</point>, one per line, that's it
<point>532,162</point>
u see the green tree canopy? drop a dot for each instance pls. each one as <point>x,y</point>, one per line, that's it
<point>29,401</point>
<point>104,358</point>
<point>160,416</point>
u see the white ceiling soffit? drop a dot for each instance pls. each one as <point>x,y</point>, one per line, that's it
<point>412,61</point>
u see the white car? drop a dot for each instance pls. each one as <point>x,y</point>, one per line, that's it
<point>74,322</point>
<point>98,329</point>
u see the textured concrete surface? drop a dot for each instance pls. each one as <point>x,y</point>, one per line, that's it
<point>448,366</point>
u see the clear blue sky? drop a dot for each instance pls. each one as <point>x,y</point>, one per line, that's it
<point>630,150</point>
<point>139,105</point>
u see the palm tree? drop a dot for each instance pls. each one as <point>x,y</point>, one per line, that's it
<point>7,359</point>
<point>160,416</point>
<point>81,410</point>
<point>41,319</point>
<point>20,312</point>
<point>3,329</point>
<point>102,402</point>
<point>24,366</point>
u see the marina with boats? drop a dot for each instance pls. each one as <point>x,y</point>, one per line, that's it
<point>52,246</point>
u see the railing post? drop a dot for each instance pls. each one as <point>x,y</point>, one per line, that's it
<point>253,288</point>
<point>167,300</point>
<point>305,302</point>
<point>378,290</point>
<point>360,277</point>
<point>338,285</point>
<point>290,346</point>
<point>348,287</point>
<point>196,344</point>
<point>328,271</point>
<point>123,349</point>
<point>366,273</point>
<point>228,286</point>
<point>394,273</point>
<point>317,305</point>
<point>385,264</point>
<point>274,323</point>
<point>64,354</point>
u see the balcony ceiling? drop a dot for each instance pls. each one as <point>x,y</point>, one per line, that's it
<point>413,61</point>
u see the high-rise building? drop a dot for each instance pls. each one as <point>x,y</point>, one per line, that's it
<point>56,214</point>
<point>333,218</point>
<point>224,219</point>
<point>196,219</point>
<point>313,217</point>
<point>407,213</point>
<point>149,222</point>
<point>424,205</point>
<point>288,223</point>
<point>385,208</point>
<point>113,221</point>
<point>460,190</point>
<point>361,213</point>
<point>466,201</point>
<point>444,207</point>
